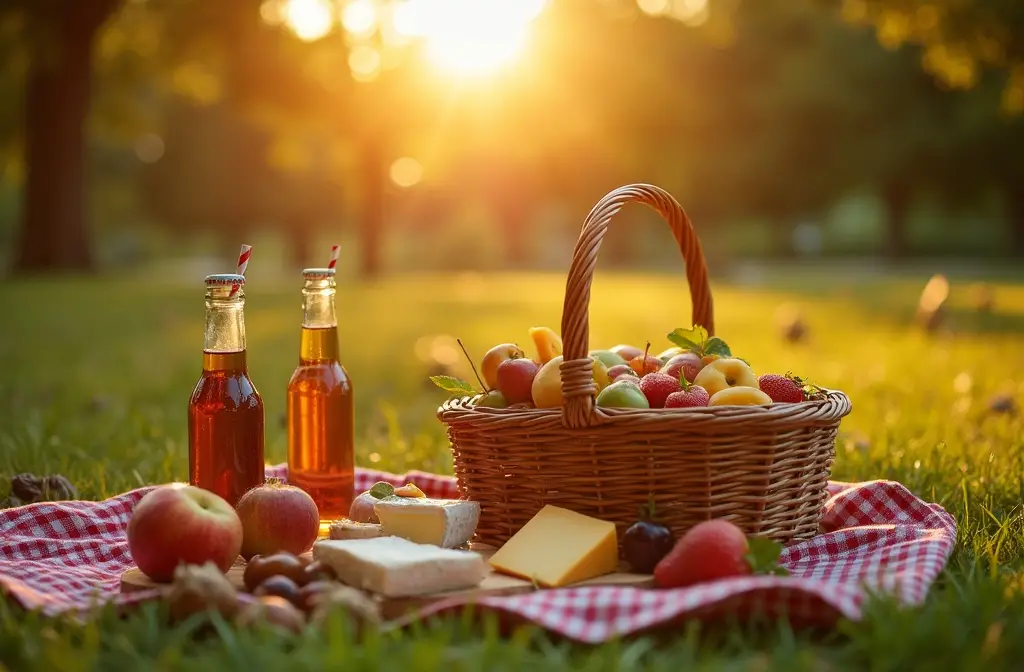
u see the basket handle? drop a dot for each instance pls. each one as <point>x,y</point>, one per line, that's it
<point>578,388</point>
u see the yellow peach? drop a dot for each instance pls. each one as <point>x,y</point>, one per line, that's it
<point>547,342</point>
<point>740,395</point>
<point>547,385</point>
<point>724,373</point>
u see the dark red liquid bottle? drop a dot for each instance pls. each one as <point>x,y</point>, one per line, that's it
<point>225,413</point>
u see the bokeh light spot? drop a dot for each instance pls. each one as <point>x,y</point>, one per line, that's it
<point>309,19</point>
<point>691,12</point>
<point>406,172</point>
<point>653,7</point>
<point>364,62</point>
<point>149,147</point>
<point>359,18</point>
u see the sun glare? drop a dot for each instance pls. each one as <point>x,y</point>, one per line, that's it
<point>359,17</point>
<point>468,36</point>
<point>309,19</point>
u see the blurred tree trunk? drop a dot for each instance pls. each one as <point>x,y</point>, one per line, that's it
<point>1015,202</point>
<point>897,195</point>
<point>54,230</point>
<point>300,231</point>
<point>513,216</point>
<point>372,223</point>
<point>513,197</point>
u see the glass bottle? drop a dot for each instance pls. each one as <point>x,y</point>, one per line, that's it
<point>321,454</point>
<point>225,413</point>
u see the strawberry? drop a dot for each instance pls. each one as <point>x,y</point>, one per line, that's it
<point>657,387</point>
<point>691,396</point>
<point>710,550</point>
<point>717,549</point>
<point>786,389</point>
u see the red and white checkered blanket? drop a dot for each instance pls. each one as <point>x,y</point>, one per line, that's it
<point>877,537</point>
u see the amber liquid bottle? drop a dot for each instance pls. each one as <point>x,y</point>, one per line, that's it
<point>321,456</point>
<point>225,413</point>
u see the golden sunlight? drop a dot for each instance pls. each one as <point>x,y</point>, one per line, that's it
<point>309,19</point>
<point>692,12</point>
<point>406,172</point>
<point>468,36</point>
<point>359,17</point>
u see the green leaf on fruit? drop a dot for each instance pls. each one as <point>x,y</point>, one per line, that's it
<point>380,490</point>
<point>763,556</point>
<point>453,386</point>
<point>689,339</point>
<point>716,346</point>
<point>696,340</point>
<point>810,390</point>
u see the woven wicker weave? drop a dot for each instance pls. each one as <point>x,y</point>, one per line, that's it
<point>763,467</point>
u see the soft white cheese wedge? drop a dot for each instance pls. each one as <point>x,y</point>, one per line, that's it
<point>448,523</point>
<point>396,567</point>
<point>349,529</point>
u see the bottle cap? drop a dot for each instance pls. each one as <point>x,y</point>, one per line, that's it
<point>314,273</point>
<point>225,279</point>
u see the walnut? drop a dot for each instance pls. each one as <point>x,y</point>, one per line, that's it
<point>354,603</point>
<point>272,610</point>
<point>29,488</point>
<point>198,588</point>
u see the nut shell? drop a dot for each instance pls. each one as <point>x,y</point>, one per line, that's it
<point>278,586</point>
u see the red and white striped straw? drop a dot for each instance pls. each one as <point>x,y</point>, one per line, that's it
<point>243,262</point>
<point>335,252</point>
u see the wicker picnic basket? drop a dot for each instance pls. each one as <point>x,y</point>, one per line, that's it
<point>765,468</point>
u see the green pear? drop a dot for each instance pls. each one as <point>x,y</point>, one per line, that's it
<point>493,399</point>
<point>622,394</point>
<point>609,358</point>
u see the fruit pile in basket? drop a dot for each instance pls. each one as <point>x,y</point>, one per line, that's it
<point>696,371</point>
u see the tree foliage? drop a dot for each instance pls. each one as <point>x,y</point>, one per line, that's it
<point>743,108</point>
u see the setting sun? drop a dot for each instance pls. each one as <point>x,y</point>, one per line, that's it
<point>468,36</point>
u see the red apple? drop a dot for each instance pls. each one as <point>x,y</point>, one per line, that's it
<point>182,524</point>
<point>277,517</point>
<point>688,362</point>
<point>494,357</point>
<point>515,379</point>
<point>644,364</point>
<point>621,369</point>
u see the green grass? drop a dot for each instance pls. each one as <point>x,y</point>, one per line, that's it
<point>96,376</point>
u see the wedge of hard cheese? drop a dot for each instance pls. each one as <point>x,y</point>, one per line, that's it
<point>448,523</point>
<point>558,547</point>
<point>396,567</point>
<point>349,529</point>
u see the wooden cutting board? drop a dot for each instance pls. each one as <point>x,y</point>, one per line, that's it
<point>493,584</point>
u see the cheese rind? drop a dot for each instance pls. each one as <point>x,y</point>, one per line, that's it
<point>396,567</point>
<point>350,529</point>
<point>448,523</point>
<point>558,547</point>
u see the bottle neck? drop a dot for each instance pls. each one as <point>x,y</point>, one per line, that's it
<point>225,324</point>
<point>319,323</point>
<point>318,303</point>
